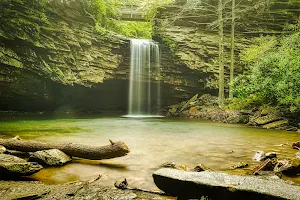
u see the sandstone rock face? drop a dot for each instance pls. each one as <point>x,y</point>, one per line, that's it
<point>51,55</point>
<point>190,35</point>
<point>53,157</point>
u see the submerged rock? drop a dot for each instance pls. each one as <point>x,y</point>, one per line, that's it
<point>11,166</point>
<point>240,165</point>
<point>217,185</point>
<point>201,168</point>
<point>168,165</point>
<point>259,156</point>
<point>51,157</point>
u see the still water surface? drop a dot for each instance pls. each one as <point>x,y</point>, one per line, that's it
<point>152,142</point>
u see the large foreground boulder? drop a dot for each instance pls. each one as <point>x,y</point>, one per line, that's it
<point>52,157</point>
<point>217,185</point>
<point>12,166</point>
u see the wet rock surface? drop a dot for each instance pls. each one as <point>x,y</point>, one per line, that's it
<point>289,167</point>
<point>259,156</point>
<point>12,166</point>
<point>296,145</point>
<point>78,190</point>
<point>52,157</point>
<point>4,158</point>
<point>201,168</point>
<point>222,186</point>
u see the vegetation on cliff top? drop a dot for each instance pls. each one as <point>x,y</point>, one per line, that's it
<point>107,14</point>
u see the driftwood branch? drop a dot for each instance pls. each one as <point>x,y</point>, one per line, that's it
<point>124,186</point>
<point>113,150</point>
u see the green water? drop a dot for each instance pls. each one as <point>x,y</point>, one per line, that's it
<point>152,142</point>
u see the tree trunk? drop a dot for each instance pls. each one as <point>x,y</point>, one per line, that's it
<point>221,53</point>
<point>232,48</point>
<point>113,150</point>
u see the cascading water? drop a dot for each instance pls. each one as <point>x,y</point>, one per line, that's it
<point>144,85</point>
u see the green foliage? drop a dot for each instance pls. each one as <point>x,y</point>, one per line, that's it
<point>133,29</point>
<point>138,29</point>
<point>104,11</point>
<point>252,101</point>
<point>258,49</point>
<point>274,77</point>
<point>22,18</point>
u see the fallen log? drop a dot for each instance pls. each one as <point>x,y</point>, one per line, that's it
<point>217,185</point>
<point>115,149</point>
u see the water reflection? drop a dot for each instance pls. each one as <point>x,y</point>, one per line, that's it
<point>152,142</point>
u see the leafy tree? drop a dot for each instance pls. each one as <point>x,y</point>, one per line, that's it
<point>274,75</point>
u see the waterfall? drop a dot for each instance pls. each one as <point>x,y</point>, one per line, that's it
<point>144,84</point>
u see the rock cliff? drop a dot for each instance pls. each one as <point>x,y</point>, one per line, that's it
<point>53,58</point>
<point>188,29</point>
<point>51,55</point>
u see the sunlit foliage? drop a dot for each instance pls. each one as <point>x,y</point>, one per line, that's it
<point>274,76</point>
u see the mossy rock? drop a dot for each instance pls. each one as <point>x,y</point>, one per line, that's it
<point>12,166</point>
<point>2,149</point>
<point>267,119</point>
<point>281,124</point>
<point>52,157</point>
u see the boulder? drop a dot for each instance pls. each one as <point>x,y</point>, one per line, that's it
<point>4,158</point>
<point>201,168</point>
<point>281,124</point>
<point>288,167</point>
<point>186,105</point>
<point>217,185</point>
<point>271,155</point>
<point>193,111</point>
<point>53,157</point>
<point>296,145</point>
<point>12,166</point>
<point>259,156</point>
<point>266,119</point>
<point>2,149</point>
<point>208,100</point>
<point>19,154</point>
<point>19,169</point>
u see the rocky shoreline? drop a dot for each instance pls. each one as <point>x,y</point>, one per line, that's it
<point>206,107</point>
<point>76,190</point>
